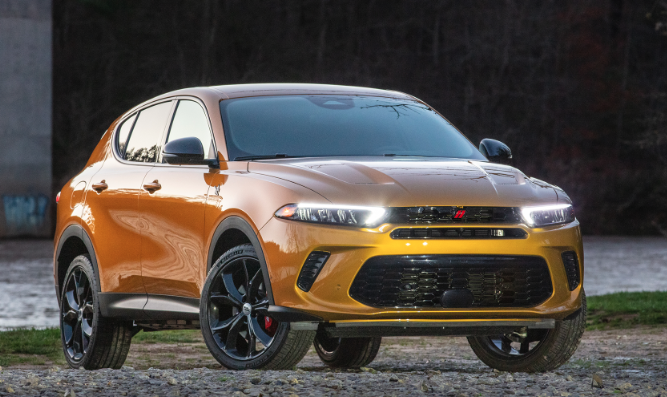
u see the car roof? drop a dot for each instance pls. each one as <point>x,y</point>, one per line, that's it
<point>267,89</point>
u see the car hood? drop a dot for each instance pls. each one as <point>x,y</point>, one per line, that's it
<point>406,182</point>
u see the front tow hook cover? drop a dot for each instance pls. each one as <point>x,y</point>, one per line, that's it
<point>456,298</point>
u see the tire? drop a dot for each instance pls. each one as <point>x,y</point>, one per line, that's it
<point>554,346</point>
<point>89,340</point>
<point>346,352</point>
<point>234,318</point>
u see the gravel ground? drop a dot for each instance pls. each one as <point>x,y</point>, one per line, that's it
<point>631,362</point>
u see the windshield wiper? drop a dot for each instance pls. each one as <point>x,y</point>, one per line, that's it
<point>262,156</point>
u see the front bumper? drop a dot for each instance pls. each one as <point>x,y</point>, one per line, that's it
<point>287,244</point>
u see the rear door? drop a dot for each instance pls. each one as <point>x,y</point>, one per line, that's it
<point>112,204</point>
<point>172,205</point>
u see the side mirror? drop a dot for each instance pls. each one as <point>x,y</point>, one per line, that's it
<point>496,151</point>
<point>183,151</point>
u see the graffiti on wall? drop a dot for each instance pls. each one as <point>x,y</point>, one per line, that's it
<point>25,215</point>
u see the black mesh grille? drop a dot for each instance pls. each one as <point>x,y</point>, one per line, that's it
<point>420,280</point>
<point>455,215</point>
<point>457,233</point>
<point>571,269</point>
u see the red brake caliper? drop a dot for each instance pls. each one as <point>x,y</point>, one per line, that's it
<point>270,325</point>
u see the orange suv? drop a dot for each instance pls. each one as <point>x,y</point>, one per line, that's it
<point>278,216</point>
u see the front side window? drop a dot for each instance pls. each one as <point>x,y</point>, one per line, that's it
<point>190,120</point>
<point>144,142</point>
<point>339,125</point>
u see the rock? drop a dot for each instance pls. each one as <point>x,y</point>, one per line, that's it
<point>393,378</point>
<point>569,378</point>
<point>9,389</point>
<point>624,387</point>
<point>172,381</point>
<point>256,380</point>
<point>424,387</point>
<point>335,384</point>
<point>597,381</point>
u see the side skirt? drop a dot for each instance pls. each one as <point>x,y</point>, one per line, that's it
<point>161,312</point>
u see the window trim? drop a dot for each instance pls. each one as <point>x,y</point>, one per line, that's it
<point>174,101</point>
<point>171,122</point>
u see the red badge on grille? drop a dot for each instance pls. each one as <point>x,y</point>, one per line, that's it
<point>459,214</point>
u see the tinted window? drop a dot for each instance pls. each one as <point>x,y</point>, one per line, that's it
<point>190,120</point>
<point>146,135</point>
<point>123,133</point>
<point>322,125</point>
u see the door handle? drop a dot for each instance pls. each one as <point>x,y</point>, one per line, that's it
<point>100,186</point>
<point>153,186</point>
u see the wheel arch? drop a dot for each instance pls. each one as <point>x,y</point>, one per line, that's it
<point>234,231</point>
<point>74,241</point>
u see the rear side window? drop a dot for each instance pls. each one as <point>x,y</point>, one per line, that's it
<point>146,136</point>
<point>124,133</point>
<point>190,120</point>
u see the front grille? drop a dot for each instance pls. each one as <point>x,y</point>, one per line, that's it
<point>420,280</point>
<point>571,269</point>
<point>420,215</point>
<point>457,233</point>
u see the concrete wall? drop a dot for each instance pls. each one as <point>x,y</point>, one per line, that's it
<point>25,118</point>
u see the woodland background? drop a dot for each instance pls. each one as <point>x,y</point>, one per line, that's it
<point>577,89</point>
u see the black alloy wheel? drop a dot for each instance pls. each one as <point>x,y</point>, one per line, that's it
<point>77,314</point>
<point>517,344</point>
<point>234,317</point>
<point>237,310</point>
<point>89,340</point>
<point>533,350</point>
<point>346,352</point>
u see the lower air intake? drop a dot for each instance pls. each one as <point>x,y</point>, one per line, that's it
<point>311,269</point>
<point>421,280</point>
<point>571,269</point>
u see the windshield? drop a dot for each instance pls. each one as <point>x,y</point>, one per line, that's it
<point>338,125</point>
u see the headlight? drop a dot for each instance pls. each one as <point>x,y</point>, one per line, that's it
<point>545,215</point>
<point>344,215</point>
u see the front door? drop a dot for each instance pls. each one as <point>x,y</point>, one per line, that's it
<point>172,205</point>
